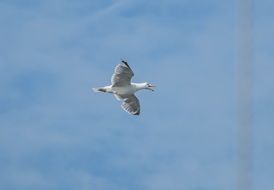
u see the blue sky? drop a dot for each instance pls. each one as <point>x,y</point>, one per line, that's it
<point>55,133</point>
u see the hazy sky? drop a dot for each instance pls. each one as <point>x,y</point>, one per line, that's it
<point>55,133</point>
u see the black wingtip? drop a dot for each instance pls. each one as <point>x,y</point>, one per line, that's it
<point>137,113</point>
<point>125,62</point>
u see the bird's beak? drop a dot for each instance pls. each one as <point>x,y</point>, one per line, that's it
<point>151,87</point>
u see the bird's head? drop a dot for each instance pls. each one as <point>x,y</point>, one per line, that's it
<point>149,86</point>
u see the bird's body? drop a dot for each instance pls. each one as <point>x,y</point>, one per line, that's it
<point>123,89</point>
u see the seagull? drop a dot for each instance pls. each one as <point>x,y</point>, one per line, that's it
<point>123,89</point>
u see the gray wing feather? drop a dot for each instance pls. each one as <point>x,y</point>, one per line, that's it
<point>131,105</point>
<point>122,75</point>
<point>121,97</point>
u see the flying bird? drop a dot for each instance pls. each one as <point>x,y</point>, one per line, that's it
<point>123,89</point>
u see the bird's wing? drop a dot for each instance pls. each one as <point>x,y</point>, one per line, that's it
<point>121,97</point>
<point>122,75</point>
<point>131,105</point>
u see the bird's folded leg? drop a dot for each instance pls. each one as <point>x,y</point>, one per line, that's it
<point>99,90</point>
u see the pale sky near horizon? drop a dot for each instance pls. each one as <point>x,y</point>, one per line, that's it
<point>55,133</point>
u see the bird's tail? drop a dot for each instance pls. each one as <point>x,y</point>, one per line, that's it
<point>99,90</point>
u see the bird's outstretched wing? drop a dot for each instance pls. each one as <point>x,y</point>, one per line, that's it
<point>131,105</point>
<point>122,75</point>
